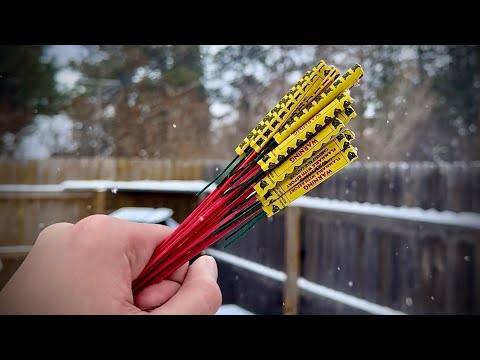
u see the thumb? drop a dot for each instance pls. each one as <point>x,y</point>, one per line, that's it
<point>199,293</point>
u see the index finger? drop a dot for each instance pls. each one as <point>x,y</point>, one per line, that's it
<point>137,240</point>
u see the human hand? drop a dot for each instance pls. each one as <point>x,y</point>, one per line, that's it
<point>88,268</point>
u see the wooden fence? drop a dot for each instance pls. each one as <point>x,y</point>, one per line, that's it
<point>411,266</point>
<point>408,265</point>
<point>25,213</point>
<point>57,170</point>
<point>444,186</point>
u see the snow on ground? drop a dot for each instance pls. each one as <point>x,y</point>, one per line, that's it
<point>232,309</point>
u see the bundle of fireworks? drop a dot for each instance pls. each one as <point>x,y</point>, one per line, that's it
<point>300,143</point>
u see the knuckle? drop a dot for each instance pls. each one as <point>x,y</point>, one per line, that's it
<point>90,229</point>
<point>93,223</point>
<point>48,233</point>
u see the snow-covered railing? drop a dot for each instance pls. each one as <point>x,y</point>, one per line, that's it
<point>450,218</point>
<point>304,284</point>
<point>171,186</point>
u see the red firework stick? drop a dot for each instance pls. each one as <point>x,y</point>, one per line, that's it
<point>192,230</point>
<point>180,257</point>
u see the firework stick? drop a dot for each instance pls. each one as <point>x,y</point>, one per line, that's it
<point>200,222</point>
<point>226,204</point>
<point>320,164</point>
<point>208,220</point>
<point>303,96</point>
<point>212,212</point>
<point>186,226</point>
<point>268,118</point>
<point>330,76</point>
<point>313,92</point>
<point>339,86</point>
<point>175,253</point>
<point>289,150</point>
<point>184,256</point>
<point>333,166</point>
<point>329,79</point>
<point>321,66</point>
<point>343,141</point>
<point>291,170</point>
<point>302,134</point>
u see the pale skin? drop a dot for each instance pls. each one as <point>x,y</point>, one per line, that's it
<point>88,268</point>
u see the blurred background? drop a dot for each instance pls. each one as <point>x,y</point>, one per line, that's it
<point>395,232</point>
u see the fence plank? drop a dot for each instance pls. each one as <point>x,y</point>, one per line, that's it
<point>292,260</point>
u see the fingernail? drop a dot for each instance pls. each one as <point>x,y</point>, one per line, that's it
<point>212,265</point>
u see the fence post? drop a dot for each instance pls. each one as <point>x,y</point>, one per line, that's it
<point>100,201</point>
<point>292,259</point>
<point>476,308</point>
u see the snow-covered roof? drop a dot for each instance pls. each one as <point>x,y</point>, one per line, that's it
<point>143,214</point>
<point>232,309</point>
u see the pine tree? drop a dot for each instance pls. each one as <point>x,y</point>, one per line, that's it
<point>145,100</point>
<point>27,86</point>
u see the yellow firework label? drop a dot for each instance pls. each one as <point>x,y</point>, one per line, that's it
<point>333,166</point>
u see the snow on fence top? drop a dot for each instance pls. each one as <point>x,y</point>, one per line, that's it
<point>175,186</point>
<point>12,188</point>
<point>183,186</point>
<point>450,218</point>
<point>461,219</point>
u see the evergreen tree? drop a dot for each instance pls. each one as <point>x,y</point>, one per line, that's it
<point>145,100</point>
<point>27,86</point>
